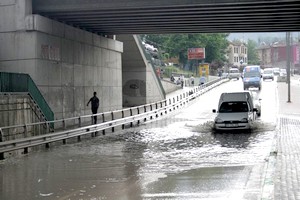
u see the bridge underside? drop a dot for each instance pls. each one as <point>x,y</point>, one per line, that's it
<point>177,16</point>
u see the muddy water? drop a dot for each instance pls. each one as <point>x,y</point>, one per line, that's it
<point>157,160</point>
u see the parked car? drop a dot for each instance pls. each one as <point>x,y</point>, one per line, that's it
<point>256,102</point>
<point>235,111</point>
<point>268,74</point>
<point>234,73</point>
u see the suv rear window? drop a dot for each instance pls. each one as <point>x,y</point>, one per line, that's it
<point>234,71</point>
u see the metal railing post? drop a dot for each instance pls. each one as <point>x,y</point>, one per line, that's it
<point>131,124</point>
<point>103,120</point>
<point>138,112</point>
<point>123,125</point>
<point>64,124</point>
<point>145,110</point>
<point>1,136</point>
<point>112,118</point>
<point>79,121</point>
<point>1,140</point>
<point>25,131</point>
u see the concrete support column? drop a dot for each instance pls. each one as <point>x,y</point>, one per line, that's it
<point>23,9</point>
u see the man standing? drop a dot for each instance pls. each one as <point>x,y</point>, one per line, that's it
<point>192,80</point>
<point>95,105</point>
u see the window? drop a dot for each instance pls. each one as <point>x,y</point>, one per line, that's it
<point>236,50</point>
<point>239,106</point>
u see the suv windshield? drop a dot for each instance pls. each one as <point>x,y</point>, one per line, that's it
<point>229,107</point>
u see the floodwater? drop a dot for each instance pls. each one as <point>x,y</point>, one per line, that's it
<point>176,157</point>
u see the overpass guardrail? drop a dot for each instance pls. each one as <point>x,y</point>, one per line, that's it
<point>110,120</point>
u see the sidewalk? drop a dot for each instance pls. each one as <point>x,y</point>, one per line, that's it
<point>287,170</point>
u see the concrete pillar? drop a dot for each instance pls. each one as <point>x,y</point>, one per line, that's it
<point>23,9</point>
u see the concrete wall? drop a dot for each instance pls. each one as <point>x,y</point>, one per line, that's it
<point>140,84</point>
<point>19,109</point>
<point>169,86</point>
<point>66,63</point>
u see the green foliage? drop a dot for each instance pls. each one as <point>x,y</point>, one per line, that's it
<point>252,53</point>
<point>171,69</point>
<point>177,45</point>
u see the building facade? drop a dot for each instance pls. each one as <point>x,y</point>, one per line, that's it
<point>275,55</point>
<point>237,54</point>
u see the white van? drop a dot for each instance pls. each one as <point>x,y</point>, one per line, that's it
<point>235,111</point>
<point>234,73</point>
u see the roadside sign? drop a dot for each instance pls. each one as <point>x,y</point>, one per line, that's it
<point>196,53</point>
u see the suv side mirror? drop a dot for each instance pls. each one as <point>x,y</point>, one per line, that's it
<point>254,109</point>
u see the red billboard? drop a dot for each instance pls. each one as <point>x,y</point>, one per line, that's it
<point>196,53</point>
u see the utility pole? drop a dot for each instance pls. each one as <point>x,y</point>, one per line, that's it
<point>288,62</point>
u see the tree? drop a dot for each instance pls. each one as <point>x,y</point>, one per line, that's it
<point>177,45</point>
<point>252,53</point>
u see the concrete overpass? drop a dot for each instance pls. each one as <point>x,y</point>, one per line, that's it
<point>176,16</point>
<point>68,49</point>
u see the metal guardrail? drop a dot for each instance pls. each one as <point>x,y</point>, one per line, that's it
<point>137,115</point>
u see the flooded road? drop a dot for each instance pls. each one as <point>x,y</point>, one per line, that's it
<point>176,157</point>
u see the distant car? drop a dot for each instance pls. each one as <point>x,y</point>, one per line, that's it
<point>282,72</point>
<point>256,102</point>
<point>268,74</point>
<point>235,111</point>
<point>252,77</point>
<point>234,73</point>
<point>276,71</point>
